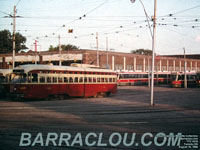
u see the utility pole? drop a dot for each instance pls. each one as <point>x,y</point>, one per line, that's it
<point>60,62</point>
<point>107,66</point>
<point>149,78</point>
<point>153,54</point>
<point>97,49</point>
<point>13,63</point>
<point>185,69</point>
<point>35,51</point>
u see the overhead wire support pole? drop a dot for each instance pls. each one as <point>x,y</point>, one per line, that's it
<point>153,54</point>
<point>13,61</point>
<point>185,69</point>
<point>147,17</point>
<point>35,51</point>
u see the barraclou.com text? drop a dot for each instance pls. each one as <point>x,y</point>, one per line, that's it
<point>99,139</point>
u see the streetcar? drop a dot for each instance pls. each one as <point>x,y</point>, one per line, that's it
<point>198,79</point>
<point>49,81</point>
<point>177,79</point>
<point>141,78</point>
<point>4,81</point>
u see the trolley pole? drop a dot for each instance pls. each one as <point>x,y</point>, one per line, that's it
<point>35,51</point>
<point>153,52</point>
<point>185,69</point>
<point>60,62</point>
<point>107,66</point>
<point>13,62</point>
<point>97,49</point>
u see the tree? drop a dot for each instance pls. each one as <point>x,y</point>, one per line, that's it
<point>6,42</point>
<point>64,47</point>
<point>142,51</point>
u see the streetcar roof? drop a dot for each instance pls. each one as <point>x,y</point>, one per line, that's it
<point>31,67</point>
<point>182,73</point>
<point>4,72</point>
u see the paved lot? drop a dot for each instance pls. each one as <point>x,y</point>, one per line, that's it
<point>175,111</point>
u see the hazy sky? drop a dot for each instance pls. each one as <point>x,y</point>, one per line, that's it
<point>123,22</point>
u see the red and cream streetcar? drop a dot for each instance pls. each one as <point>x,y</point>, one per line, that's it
<point>141,78</point>
<point>177,79</point>
<point>43,81</point>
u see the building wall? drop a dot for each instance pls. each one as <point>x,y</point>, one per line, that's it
<point>116,60</point>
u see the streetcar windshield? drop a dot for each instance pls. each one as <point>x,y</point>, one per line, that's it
<point>198,76</point>
<point>19,78</point>
<point>2,79</point>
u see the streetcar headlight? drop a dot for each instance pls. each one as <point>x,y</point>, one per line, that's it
<point>23,88</point>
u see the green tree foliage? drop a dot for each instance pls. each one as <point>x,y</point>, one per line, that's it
<point>142,51</point>
<point>64,47</point>
<point>6,42</point>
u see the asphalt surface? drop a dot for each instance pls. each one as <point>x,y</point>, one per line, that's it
<point>106,120</point>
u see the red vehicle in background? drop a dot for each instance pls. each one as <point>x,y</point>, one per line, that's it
<point>141,78</point>
<point>47,81</point>
<point>198,79</point>
<point>177,79</point>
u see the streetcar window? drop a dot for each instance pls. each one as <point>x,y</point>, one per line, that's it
<point>2,79</point>
<point>54,79</point>
<point>191,77</point>
<point>42,79</point>
<point>180,77</point>
<point>80,79</point>
<point>85,79</point>
<point>106,79</point>
<point>48,79</point>
<point>29,78</point>
<point>59,79</point>
<point>126,76</point>
<point>114,80</point>
<point>198,76</point>
<point>94,79</point>
<point>65,79</point>
<point>102,79</point>
<point>35,78</point>
<point>110,79</point>
<point>71,80</point>
<point>121,76</point>
<point>90,79</point>
<point>145,75</point>
<point>98,79</point>
<point>76,79</point>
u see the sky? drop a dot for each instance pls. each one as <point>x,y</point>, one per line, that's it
<point>123,23</point>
